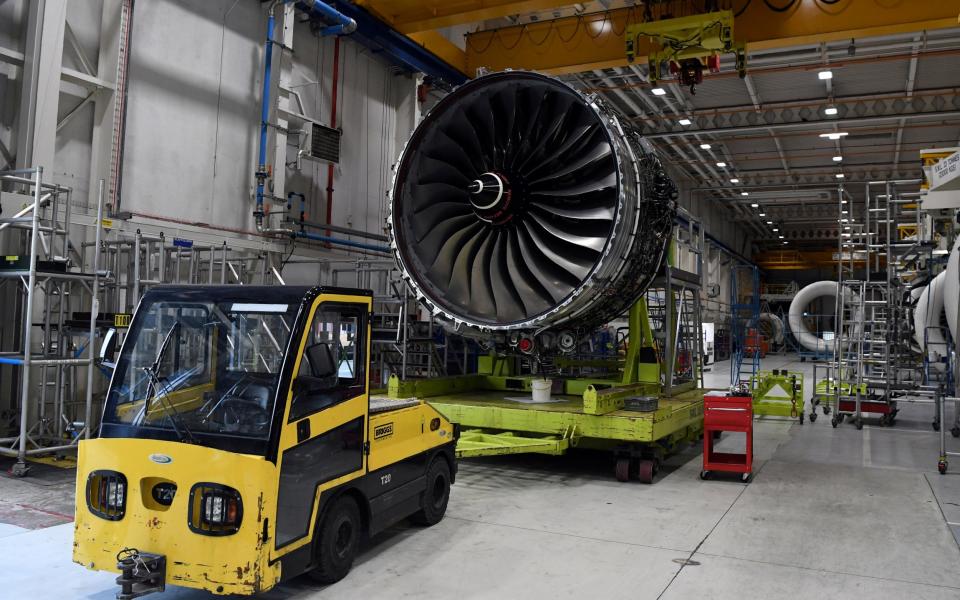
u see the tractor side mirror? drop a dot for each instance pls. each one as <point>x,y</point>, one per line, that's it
<point>108,348</point>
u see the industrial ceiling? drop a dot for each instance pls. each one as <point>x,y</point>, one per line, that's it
<point>760,144</point>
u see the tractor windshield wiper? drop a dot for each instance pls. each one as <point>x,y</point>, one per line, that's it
<point>154,391</point>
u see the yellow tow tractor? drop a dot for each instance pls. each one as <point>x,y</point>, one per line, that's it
<point>239,446</point>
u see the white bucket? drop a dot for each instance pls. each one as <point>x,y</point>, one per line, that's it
<point>541,389</point>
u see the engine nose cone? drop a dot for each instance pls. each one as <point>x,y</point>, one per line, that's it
<point>491,197</point>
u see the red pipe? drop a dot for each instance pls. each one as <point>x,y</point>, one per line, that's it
<point>333,123</point>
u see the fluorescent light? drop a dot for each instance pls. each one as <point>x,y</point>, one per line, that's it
<point>705,146</point>
<point>754,205</point>
<point>769,222</point>
<point>685,121</point>
<point>846,228</point>
<point>721,164</point>
<point>844,220</point>
<point>744,193</point>
<point>734,180</point>
<point>834,135</point>
<point>781,237</point>
<point>846,235</point>
<point>840,175</point>
<point>658,91</point>
<point>843,202</point>
<point>776,229</point>
<point>843,212</point>
<point>786,242</point>
<point>824,75</point>
<point>837,158</point>
<point>763,214</point>
<point>830,110</point>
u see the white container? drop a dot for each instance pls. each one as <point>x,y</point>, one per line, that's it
<point>541,389</point>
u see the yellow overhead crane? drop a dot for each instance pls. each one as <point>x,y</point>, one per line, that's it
<point>597,40</point>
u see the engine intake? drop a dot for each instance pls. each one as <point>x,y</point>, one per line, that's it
<point>520,203</point>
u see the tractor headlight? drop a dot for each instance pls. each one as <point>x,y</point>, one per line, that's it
<point>215,509</point>
<point>107,494</point>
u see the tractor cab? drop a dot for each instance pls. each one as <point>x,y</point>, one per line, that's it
<point>239,447</point>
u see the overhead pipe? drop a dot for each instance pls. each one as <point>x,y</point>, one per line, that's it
<point>345,230</point>
<point>342,24</point>
<point>395,47</point>
<point>349,243</point>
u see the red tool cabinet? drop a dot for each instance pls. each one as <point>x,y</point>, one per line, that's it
<point>727,412</point>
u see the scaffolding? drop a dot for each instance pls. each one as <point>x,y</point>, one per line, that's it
<point>47,279</point>
<point>63,295</point>
<point>874,364</point>
<point>403,342</point>
<point>674,308</point>
<point>745,338</point>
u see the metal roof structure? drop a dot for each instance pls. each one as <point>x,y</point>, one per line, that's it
<point>893,96</point>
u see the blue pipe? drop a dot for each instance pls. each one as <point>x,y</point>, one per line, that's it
<point>264,118</point>
<point>395,47</point>
<point>332,240</point>
<point>10,361</point>
<point>342,24</point>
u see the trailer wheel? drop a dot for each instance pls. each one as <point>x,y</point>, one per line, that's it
<point>645,471</point>
<point>433,504</point>
<point>622,470</point>
<point>339,540</point>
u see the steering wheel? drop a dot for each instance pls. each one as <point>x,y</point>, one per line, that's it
<point>239,415</point>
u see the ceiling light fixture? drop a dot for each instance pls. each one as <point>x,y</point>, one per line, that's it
<point>762,214</point>
<point>769,222</point>
<point>830,110</point>
<point>824,75</point>
<point>754,205</point>
<point>734,180</point>
<point>781,237</point>
<point>705,146</point>
<point>658,91</point>
<point>744,193</point>
<point>837,158</point>
<point>834,135</point>
<point>840,175</point>
<point>775,229</point>
<point>721,164</point>
<point>685,121</point>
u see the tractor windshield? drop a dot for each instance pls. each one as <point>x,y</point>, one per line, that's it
<point>203,372</point>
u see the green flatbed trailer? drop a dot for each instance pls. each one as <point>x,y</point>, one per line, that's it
<point>497,417</point>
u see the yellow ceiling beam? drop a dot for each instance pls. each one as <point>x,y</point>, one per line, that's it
<point>431,40</point>
<point>442,47</point>
<point>411,16</point>
<point>595,41</point>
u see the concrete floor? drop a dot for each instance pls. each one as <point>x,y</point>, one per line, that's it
<point>831,513</point>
